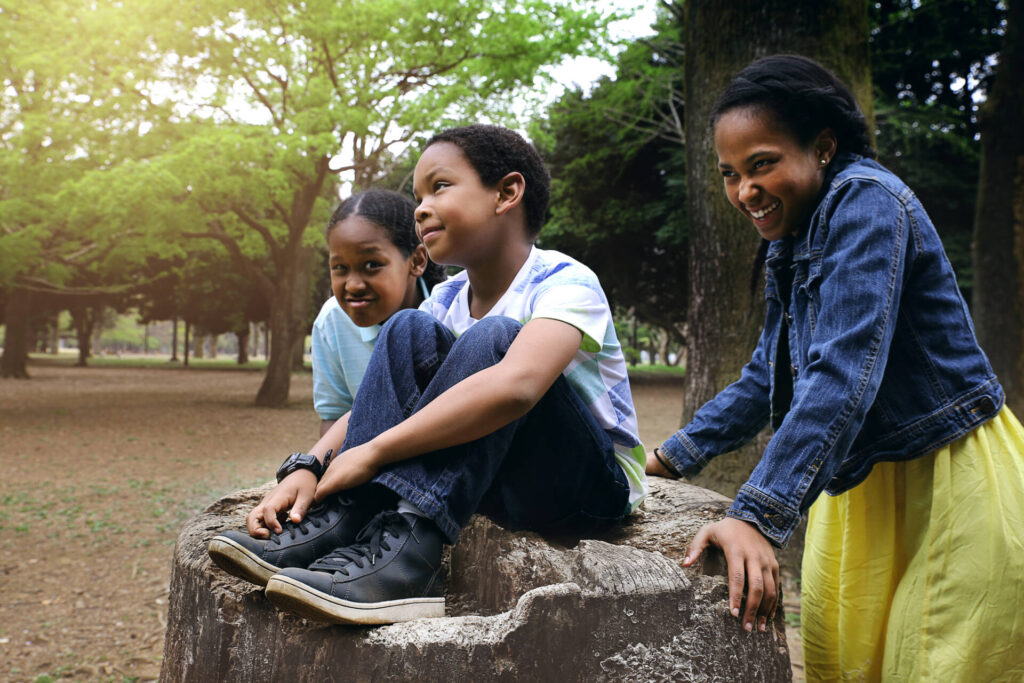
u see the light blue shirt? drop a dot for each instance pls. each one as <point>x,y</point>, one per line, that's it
<point>340,353</point>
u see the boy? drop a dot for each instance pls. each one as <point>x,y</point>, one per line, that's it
<point>506,393</point>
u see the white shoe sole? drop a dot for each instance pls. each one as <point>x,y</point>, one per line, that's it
<point>239,561</point>
<point>294,596</point>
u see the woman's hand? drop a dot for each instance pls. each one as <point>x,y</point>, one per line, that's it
<point>295,491</point>
<point>751,560</point>
<point>655,467</point>
<point>350,468</point>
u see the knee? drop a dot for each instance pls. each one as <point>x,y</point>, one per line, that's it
<point>498,330</point>
<point>409,321</point>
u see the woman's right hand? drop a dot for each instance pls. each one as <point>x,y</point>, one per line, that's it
<point>751,562</point>
<point>294,493</point>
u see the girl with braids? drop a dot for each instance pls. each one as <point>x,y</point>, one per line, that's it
<point>870,376</point>
<point>378,267</point>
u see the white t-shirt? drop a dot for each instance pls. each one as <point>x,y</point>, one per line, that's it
<point>553,285</point>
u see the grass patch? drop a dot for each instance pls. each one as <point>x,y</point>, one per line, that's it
<point>656,370</point>
<point>156,362</point>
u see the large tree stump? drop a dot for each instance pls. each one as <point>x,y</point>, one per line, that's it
<point>521,607</point>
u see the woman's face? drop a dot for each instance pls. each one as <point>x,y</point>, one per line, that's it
<point>769,175</point>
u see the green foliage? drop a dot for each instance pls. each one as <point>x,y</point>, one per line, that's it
<point>618,179</point>
<point>932,64</point>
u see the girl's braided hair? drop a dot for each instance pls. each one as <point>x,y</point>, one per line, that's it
<point>395,214</point>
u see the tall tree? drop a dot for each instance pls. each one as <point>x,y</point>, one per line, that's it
<point>301,95</point>
<point>617,165</point>
<point>999,222</point>
<point>724,319</point>
<point>69,106</point>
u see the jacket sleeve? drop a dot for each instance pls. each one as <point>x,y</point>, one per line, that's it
<point>726,422</point>
<point>863,240</point>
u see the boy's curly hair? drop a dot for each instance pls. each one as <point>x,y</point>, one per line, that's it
<point>494,152</point>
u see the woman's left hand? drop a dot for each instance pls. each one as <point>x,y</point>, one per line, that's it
<point>349,469</point>
<point>751,561</point>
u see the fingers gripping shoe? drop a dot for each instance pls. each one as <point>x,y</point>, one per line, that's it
<point>324,528</point>
<point>392,573</point>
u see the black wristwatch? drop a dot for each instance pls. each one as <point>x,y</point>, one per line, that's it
<point>303,461</point>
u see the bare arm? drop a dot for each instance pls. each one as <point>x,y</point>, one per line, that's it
<point>473,408</point>
<point>295,492</point>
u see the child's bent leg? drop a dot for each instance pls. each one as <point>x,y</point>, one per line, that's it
<point>561,471</point>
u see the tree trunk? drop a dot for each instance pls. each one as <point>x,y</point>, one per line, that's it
<point>288,314</point>
<point>243,345</point>
<point>84,319</point>
<point>14,361</point>
<point>725,319</point>
<point>199,350</point>
<point>185,345</point>
<point>174,339</point>
<point>998,300</point>
<point>213,346</point>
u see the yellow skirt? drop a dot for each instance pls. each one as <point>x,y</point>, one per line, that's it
<point>917,574</point>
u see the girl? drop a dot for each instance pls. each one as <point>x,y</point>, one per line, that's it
<point>378,266</point>
<point>870,375</point>
<point>505,393</point>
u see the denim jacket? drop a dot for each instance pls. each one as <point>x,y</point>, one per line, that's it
<point>881,350</point>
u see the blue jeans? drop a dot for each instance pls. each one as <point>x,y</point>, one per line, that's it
<point>553,469</point>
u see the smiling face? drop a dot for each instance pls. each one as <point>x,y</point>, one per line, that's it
<point>769,176</point>
<point>456,213</point>
<point>370,277</point>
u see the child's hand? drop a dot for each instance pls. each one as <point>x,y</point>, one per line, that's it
<point>295,492</point>
<point>751,560</point>
<point>353,467</point>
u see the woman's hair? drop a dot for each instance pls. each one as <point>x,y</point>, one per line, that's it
<point>801,95</point>
<point>395,214</point>
<point>494,152</point>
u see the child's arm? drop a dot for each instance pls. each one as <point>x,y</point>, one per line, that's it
<point>473,408</point>
<point>294,492</point>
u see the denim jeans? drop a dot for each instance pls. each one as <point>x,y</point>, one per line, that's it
<point>553,469</point>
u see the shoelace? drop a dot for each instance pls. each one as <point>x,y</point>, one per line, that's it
<point>368,544</point>
<point>315,516</point>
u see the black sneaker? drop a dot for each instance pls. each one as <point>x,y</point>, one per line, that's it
<point>325,527</point>
<point>392,573</point>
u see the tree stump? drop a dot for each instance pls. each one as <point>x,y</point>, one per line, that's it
<point>520,607</point>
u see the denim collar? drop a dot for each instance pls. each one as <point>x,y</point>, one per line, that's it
<point>781,251</point>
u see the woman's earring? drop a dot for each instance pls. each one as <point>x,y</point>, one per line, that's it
<point>824,161</point>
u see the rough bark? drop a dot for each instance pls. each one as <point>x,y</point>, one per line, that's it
<point>725,319</point>
<point>998,297</point>
<point>519,607</point>
<point>288,313</point>
<point>14,361</point>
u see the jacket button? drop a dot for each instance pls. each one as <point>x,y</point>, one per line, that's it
<point>792,370</point>
<point>987,404</point>
<point>789,319</point>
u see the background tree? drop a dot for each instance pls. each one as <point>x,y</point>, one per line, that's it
<point>69,106</point>
<point>303,95</point>
<point>999,225</point>
<point>724,319</point>
<point>618,195</point>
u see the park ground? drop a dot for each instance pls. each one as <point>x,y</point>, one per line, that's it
<point>102,465</point>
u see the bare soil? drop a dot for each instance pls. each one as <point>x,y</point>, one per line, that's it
<point>101,466</point>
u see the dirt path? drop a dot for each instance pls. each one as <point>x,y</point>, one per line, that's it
<point>100,468</point>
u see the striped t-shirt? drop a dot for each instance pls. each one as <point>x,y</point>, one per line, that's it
<point>553,285</point>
